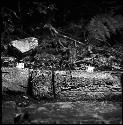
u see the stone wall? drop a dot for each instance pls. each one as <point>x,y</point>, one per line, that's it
<point>75,85</point>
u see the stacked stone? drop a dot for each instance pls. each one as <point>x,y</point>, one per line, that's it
<point>78,87</point>
<point>42,86</point>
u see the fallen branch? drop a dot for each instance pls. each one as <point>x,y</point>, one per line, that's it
<point>56,32</point>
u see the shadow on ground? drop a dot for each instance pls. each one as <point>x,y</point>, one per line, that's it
<point>19,108</point>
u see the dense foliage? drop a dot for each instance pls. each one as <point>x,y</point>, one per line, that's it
<point>66,45</point>
<point>101,27</point>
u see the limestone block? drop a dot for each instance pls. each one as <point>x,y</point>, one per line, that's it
<point>15,79</point>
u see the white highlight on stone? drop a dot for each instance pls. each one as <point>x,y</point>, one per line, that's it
<point>60,72</point>
<point>20,65</point>
<point>89,68</point>
<point>26,44</point>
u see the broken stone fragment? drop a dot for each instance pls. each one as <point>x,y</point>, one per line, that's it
<point>26,44</point>
<point>8,61</point>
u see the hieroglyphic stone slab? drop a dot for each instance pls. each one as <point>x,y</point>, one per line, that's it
<point>15,79</point>
<point>78,85</point>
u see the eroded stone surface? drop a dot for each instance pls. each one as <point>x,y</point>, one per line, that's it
<point>80,85</point>
<point>42,83</point>
<point>15,79</point>
<point>74,85</point>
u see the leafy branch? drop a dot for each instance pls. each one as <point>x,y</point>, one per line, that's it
<point>102,26</point>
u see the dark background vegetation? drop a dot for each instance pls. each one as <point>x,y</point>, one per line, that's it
<point>98,22</point>
<point>36,13</point>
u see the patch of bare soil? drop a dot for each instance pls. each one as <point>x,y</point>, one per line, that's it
<point>19,108</point>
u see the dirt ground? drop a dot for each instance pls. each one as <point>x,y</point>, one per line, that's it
<point>19,108</point>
